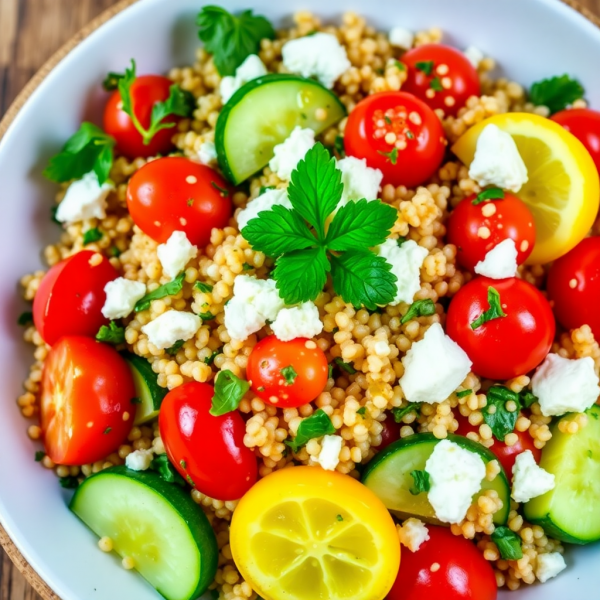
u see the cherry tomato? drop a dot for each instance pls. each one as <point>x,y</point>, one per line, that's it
<point>503,219</point>
<point>85,405</point>
<point>287,374</point>
<point>207,451</point>
<point>398,134</point>
<point>441,76</point>
<point>145,92</point>
<point>390,432</point>
<point>504,347</point>
<point>176,194</point>
<point>463,573</point>
<point>574,286</point>
<point>70,298</point>
<point>584,124</point>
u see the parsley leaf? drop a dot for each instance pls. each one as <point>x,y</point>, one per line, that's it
<point>419,308</point>
<point>464,393</point>
<point>230,38</point>
<point>25,318</point>
<point>315,426</point>
<point>493,193</point>
<point>111,334</point>
<point>421,482</point>
<point>203,287</point>
<point>289,374</point>
<point>425,66</point>
<point>91,236</point>
<point>111,81</point>
<point>168,289</point>
<point>508,542</point>
<point>166,470</point>
<point>174,349</point>
<point>501,421</point>
<point>494,312</point>
<point>229,391</point>
<point>301,275</point>
<point>556,92</point>
<point>400,412</point>
<point>345,366</point>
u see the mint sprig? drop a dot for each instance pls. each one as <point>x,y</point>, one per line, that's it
<point>494,312</point>
<point>556,92</point>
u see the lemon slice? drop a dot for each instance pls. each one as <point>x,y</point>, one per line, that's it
<point>563,191</point>
<point>306,534</point>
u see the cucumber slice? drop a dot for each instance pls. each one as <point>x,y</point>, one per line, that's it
<point>149,393</point>
<point>154,522</point>
<point>388,475</point>
<point>262,114</point>
<point>571,511</point>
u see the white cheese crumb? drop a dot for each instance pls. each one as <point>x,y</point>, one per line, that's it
<point>360,181</point>
<point>401,37</point>
<point>319,55</point>
<point>329,457</point>
<point>289,153</point>
<point>139,460</point>
<point>406,261</point>
<point>298,322</point>
<point>497,161</point>
<point>475,55</point>
<point>413,534</point>
<point>85,199</point>
<point>564,385</point>
<point>529,480</point>
<point>455,475</point>
<point>433,367</point>
<point>500,262</point>
<point>176,253</point>
<point>207,153</point>
<point>265,201</point>
<point>121,297</point>
<point>250,69</point>
<point>549,565</point>
<point>170,327</point>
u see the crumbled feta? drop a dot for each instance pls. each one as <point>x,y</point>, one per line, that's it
<point>475,55</point>
<point>298,322</point>
<point>250,69</point>
<point>497,161</point>
<point>455,475</point>
<point>319,55</point>
<point>289,153</point>
<point>406,261</point>
<point>529,480</point>
<point>413,534</point>
<point>176,253</point>
<point>121,296</point>
<point>433,367</point>
<point>139,460</point>
<point>329,457</point>
<point>360,181</point>
<point>549,565</point>
<point>500,262</point>
<point>401,37</point>
<point>564,385</point>
<point>85,199</point>
<point>172,326</point>
<point>207,153</point>
<point>265,201</point>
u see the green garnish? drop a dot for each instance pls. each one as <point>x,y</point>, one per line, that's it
<point>69,482</point>
<point>339,146</point>
<point>339,518</point>
<point>190,480</point>
<point>400,65</point>
<point>464,393</point>
<point>203,287</point>
<point>289,374</point>
<point>91,236</point>
<point>501,421</point>
<point>508,542</point>
<point>362,411</point>
<point>436,84</point>
<point>25,318</point>
<point>419,308</point>
<point>114,251</point>
<point>421,482</point>
<point>183,464</point>
<point>247,267</point>
<point>111,81</point>
<point>168,289</point>
<point>345,366</point>
<point>527,398</point>
<point>400,412</point>
<point>494,311</point>
<point>556,92</point>
<point>209,360</point>
<point>392,155</point>
<point>315,426</point>
<point>39,455</point>
<point>161,465</point>
<point>107,430</point>
<point>229,391</point>
<point>425,66</point>
<point>53,212</point>
<point>493,193</point>
<point>400,241</point>
<point>206,316</point>
<point>265,188</point>
<point>174,349</point>
<point>111,334</point>
<point>223,191</point>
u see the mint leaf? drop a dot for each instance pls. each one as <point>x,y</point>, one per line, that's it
<point>174,349</point>
<point>464,393</point>
<point>501,421</point>
<point>362,411</point>
<point>209,360</point>
<point>166,470</point>
<point>203,287</point>
<point>508,542</point>
<point>301,275</point>
<point>315,426</point>
<point>556,92</point>
<point>527,398</point>
<point>168,289</point>
<point>421,482</point>
<point>345,366</point>
<point>111,334</point>
<point>493,193</point>
<point>419,308</point>
<point>392,155</point>
<point>400,412</point>
<point>494,312</point>
<point>229,391</point>
<point>425,66</point>
<point>289,374</point>
<point>91,236</point>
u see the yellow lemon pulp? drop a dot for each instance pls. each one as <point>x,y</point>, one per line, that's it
<point>563,190</point>
<point>308,534</point>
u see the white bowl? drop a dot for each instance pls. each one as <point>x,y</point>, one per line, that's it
<point>530,39</point>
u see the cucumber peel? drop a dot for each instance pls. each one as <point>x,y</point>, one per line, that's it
<point>149,393</point>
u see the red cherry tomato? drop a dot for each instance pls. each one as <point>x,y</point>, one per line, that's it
<point>504,219</point>
<point>207,451</point>
<point>463,573</point>
<point>504,347</point>
<point>441,76</point>
<point>390,433</point>
<point>398,134</point>
<point>574,286</point>
<point>85,405</point>
<point>146,91</point>
<point>272,379</point>
<point>176,194</point>
<point>584,124</point>
<point>70,298</point>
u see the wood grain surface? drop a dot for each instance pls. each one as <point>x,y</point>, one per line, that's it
<point>30,32</point>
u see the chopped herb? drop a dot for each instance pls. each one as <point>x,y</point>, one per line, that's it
<point>190,480</point>
<point>91,236</point>
<point>421,482</point>
<point>409,134</point>
<point>111,82</point>
<point>508,542</point>
<point>419,308</point>
<point>265,188</point>
<point>247,267</point>
<point>114,251</point>
<point>527,398</point>
<point>25,318</point>
<point>400,241</point>
<point>387,120</point>
<point>556,92</point>
<point>392,155</point>
<point>209,360</point>
<point>436,84</point>
<point>168,289</point>
<point>107,430</point>
<point>53,212</point>
<point>183,464</point>
<point>261,388</point>
<point>362,411</point>
<point>111,334</point>
<point>206,316</point>
<point>494,312</point>
<point>174,349</point>
<point>69,483</point>
<point>464,393</point>
<point>339,145</point>
<point>501,421</point>
<point>335,330</point>
<point>315,426</point>
<point>39,455</point>
<point>425,66</point>
<point>203,287</point>
<point>289,374</point>
<point>223,191</point>
<point>493,193</point>
<point>400,65</point>
<point>339,518</point>
<point>345,366</point>
<point>136,400</point>
<point>190,202</point>
<point>330,371</point>
<point>400,413</point>
<point>161,465</point>
<point>229,391</point>
<point>592,414</point>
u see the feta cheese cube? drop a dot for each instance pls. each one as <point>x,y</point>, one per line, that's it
<point>207,153</point>
<point>176,253</point>
<point>289,153</point>
<point>329,457</point>
<point>564,385</point>
<point>529,480</point>
<point>401,37</point>
<point>360,181</point>
<point>413,533</point>
<point>455,475</point>
<point>500,262</point>
<point>549,565</point>
<point>265,201</point>
<point>139,460</point>
<point>475,55</point>
<point>433,367</point>
<point>85,199</point>
<point>319,55</point>
<point>298,322</point>
<point>121,297</point>
<point>497,161</point>
<point>250,69</point>
<point>170,327</point>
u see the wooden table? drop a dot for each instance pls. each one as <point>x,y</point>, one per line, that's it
<point>30,31</point>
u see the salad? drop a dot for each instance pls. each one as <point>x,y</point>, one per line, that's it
<point>321,320</point>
